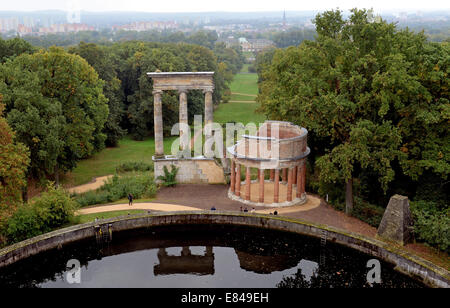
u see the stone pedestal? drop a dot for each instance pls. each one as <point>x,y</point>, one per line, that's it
<point>396,225</point>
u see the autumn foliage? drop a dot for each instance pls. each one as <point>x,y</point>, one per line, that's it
<point>14,162</point>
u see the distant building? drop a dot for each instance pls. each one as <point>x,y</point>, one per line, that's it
<point>65,28</point>
<point>247,45</point>
<point>9,24</point>
<point>229,42</point>
<point>147,25</point>
<point>24,30</point>
<point>256,45</point>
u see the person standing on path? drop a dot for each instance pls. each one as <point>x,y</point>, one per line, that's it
<point>130,199</point>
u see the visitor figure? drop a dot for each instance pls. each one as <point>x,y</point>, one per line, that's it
<point>275,213</point>
<point>130,199</point>
<point>245,210</point>
<point>241,208</point>
<point>253,210</point>
<point>213,208</point>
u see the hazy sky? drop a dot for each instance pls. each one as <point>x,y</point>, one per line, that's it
<point>221,5</point>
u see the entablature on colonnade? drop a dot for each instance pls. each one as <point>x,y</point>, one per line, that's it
<point>268,164</point>
<point>182,81</point>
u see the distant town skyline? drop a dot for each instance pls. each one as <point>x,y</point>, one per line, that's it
<point>178,6</point>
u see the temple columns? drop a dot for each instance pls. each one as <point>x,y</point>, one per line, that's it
<point>183,116</point>
<point>272,174</point>
<point>158,124</point>
<point>299,181</point>
<point>285,174</point>
<point>209,109</point>
<point>294,177</point>
<point>276,189</point>
<point>238,180</point>
<point>248,183</point>
<point>289,187</point>
<point>233,176</point>
<point>303,186</point>
<point>261,185</point>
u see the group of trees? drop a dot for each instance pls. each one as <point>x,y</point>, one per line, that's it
<point>293,37</point>
<point>14,161</point>
<point>63,105</point>
<point>55,105</point>
<point>107,37</point>
<point>376,102</point>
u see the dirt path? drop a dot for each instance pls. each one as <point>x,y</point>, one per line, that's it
<point>95,184</point>
<point>136,206</point>
<point>191,197</point>
<point>205,196</point>
<point>243,94</point>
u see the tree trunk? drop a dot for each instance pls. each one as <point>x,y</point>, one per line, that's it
<point>25,193</point>
<point>57,176</point>
<point>349,196</point>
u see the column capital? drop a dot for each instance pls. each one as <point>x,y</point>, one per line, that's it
<point>208,90</point>
<point>157,92</point>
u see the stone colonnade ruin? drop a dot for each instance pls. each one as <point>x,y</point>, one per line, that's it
<point>192,170</point>
<point>181,82</point>
<point>278,151</point>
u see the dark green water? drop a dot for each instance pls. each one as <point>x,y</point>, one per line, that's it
<point>203,257</point>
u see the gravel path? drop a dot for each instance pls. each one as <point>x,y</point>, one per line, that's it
<point>95,184</point>
<point>203,197</point>
<point>136,206</point>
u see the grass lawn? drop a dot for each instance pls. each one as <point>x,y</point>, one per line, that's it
<point>82,219</point>
<point>105,162</point>
<point>239,113</point>
<point>237,97</point>
<point>245,83</point>
<point>245,68</point>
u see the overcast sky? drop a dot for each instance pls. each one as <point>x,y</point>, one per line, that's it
<point>222,5</point>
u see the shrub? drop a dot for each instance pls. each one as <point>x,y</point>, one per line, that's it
<point>431,224</point>
<point>252,69</point>
<point>51,210</point>
<point>169,178</point>
<point>140,185</point>
<point>369,213</point>
<point>134,166</point>
<point>92,198</point>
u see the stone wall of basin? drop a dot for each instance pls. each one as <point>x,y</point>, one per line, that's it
<point>405,262</point>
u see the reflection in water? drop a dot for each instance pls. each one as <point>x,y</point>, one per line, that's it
<point>187,263</point>
<point>202,256</point>
<point>263,264</point>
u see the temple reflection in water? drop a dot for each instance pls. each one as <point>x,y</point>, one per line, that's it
<point>195,264</point>
<point>187,263</point>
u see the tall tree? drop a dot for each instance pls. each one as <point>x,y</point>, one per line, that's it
<point>54,103</point>
<point>364,87</point>
<point>101,60</point>
<point>14,47</point>
<point>14,161</point>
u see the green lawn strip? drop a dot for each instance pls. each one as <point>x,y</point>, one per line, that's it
<point>245,68</point>
<point>105,162</point>
<point>82,219</point>
<point>237,97</point>
<point>121,201</point>
<point>238,113</point>
<point>245,84</point>
<point>125,201</point>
